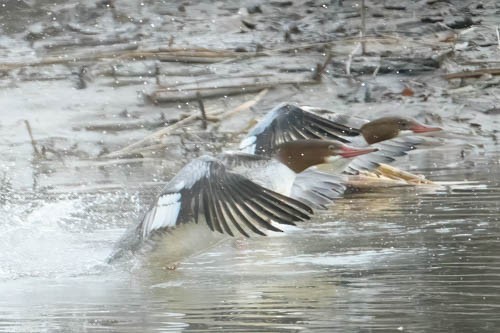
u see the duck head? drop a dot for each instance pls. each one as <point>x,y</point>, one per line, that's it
<point>302,154</point>
<point>387,128</point>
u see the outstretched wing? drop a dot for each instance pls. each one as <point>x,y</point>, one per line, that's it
<point>288,122</point>
<point>338,118</point>
<point>387,153</point>
<point>205,190</point>
<point>241,162</point>
<point>317,189</point>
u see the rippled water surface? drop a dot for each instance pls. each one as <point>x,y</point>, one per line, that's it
<point>401,259</point>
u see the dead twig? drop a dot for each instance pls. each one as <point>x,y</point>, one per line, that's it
<point>472,74</point>
<point>99,43</point>
<point>186,95</point>
<point>198,83</point>
<point>481,62</point>
<point>140,151</point>
<point>247,105</point>
<point>156,135</point>
<point>135,148</point>
<point>320,68</point>
<point>121,126</point>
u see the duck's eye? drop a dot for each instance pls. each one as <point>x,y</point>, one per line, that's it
<point>331,147</point>
<point>403,124</point>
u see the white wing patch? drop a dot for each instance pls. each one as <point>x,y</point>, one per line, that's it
<point>179,185</point>
<point>163,214</point>
<point>247,145</point>
<point>198,190</point>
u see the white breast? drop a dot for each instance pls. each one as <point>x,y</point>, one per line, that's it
<point>182,242</point>
<point>275,176</point>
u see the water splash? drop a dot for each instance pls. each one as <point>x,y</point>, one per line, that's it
<point>42,240</point>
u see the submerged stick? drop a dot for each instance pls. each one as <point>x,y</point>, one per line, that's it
<point>363,27</point>
<point>33,142</point>
<point>202,109</point>
<point>320,68</point>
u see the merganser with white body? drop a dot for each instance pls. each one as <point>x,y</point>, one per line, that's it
<point>394,136</point>
<point>236,192</point>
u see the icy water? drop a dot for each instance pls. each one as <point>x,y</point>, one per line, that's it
<point>391,260</point>
<point>404,259</point>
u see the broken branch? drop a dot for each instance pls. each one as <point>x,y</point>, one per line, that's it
<point>471,74</point>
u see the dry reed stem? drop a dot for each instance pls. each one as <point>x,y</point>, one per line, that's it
<point>178,55</point>
<point>498,37</point>
<point>155,135</point>
<point>135,147</point>
<point>395,173</point>
<point>349,59</point>
<point>386,176</point>
<point>195,55</point>
<point>246,105</point>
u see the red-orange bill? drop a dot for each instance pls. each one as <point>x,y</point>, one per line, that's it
<point>424,129</point>
<point>350,152</point>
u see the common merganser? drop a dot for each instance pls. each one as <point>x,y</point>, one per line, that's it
<point>220,188</point>
<point>247,192</point>
<point>393,135</point>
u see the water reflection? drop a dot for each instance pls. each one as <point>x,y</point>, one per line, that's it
<point>401,259</point>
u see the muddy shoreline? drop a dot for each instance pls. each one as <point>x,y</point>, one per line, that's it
<point>91,79</point>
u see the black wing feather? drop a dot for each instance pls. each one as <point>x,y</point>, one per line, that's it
<point>205,188</point>
<point>289,122</point>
